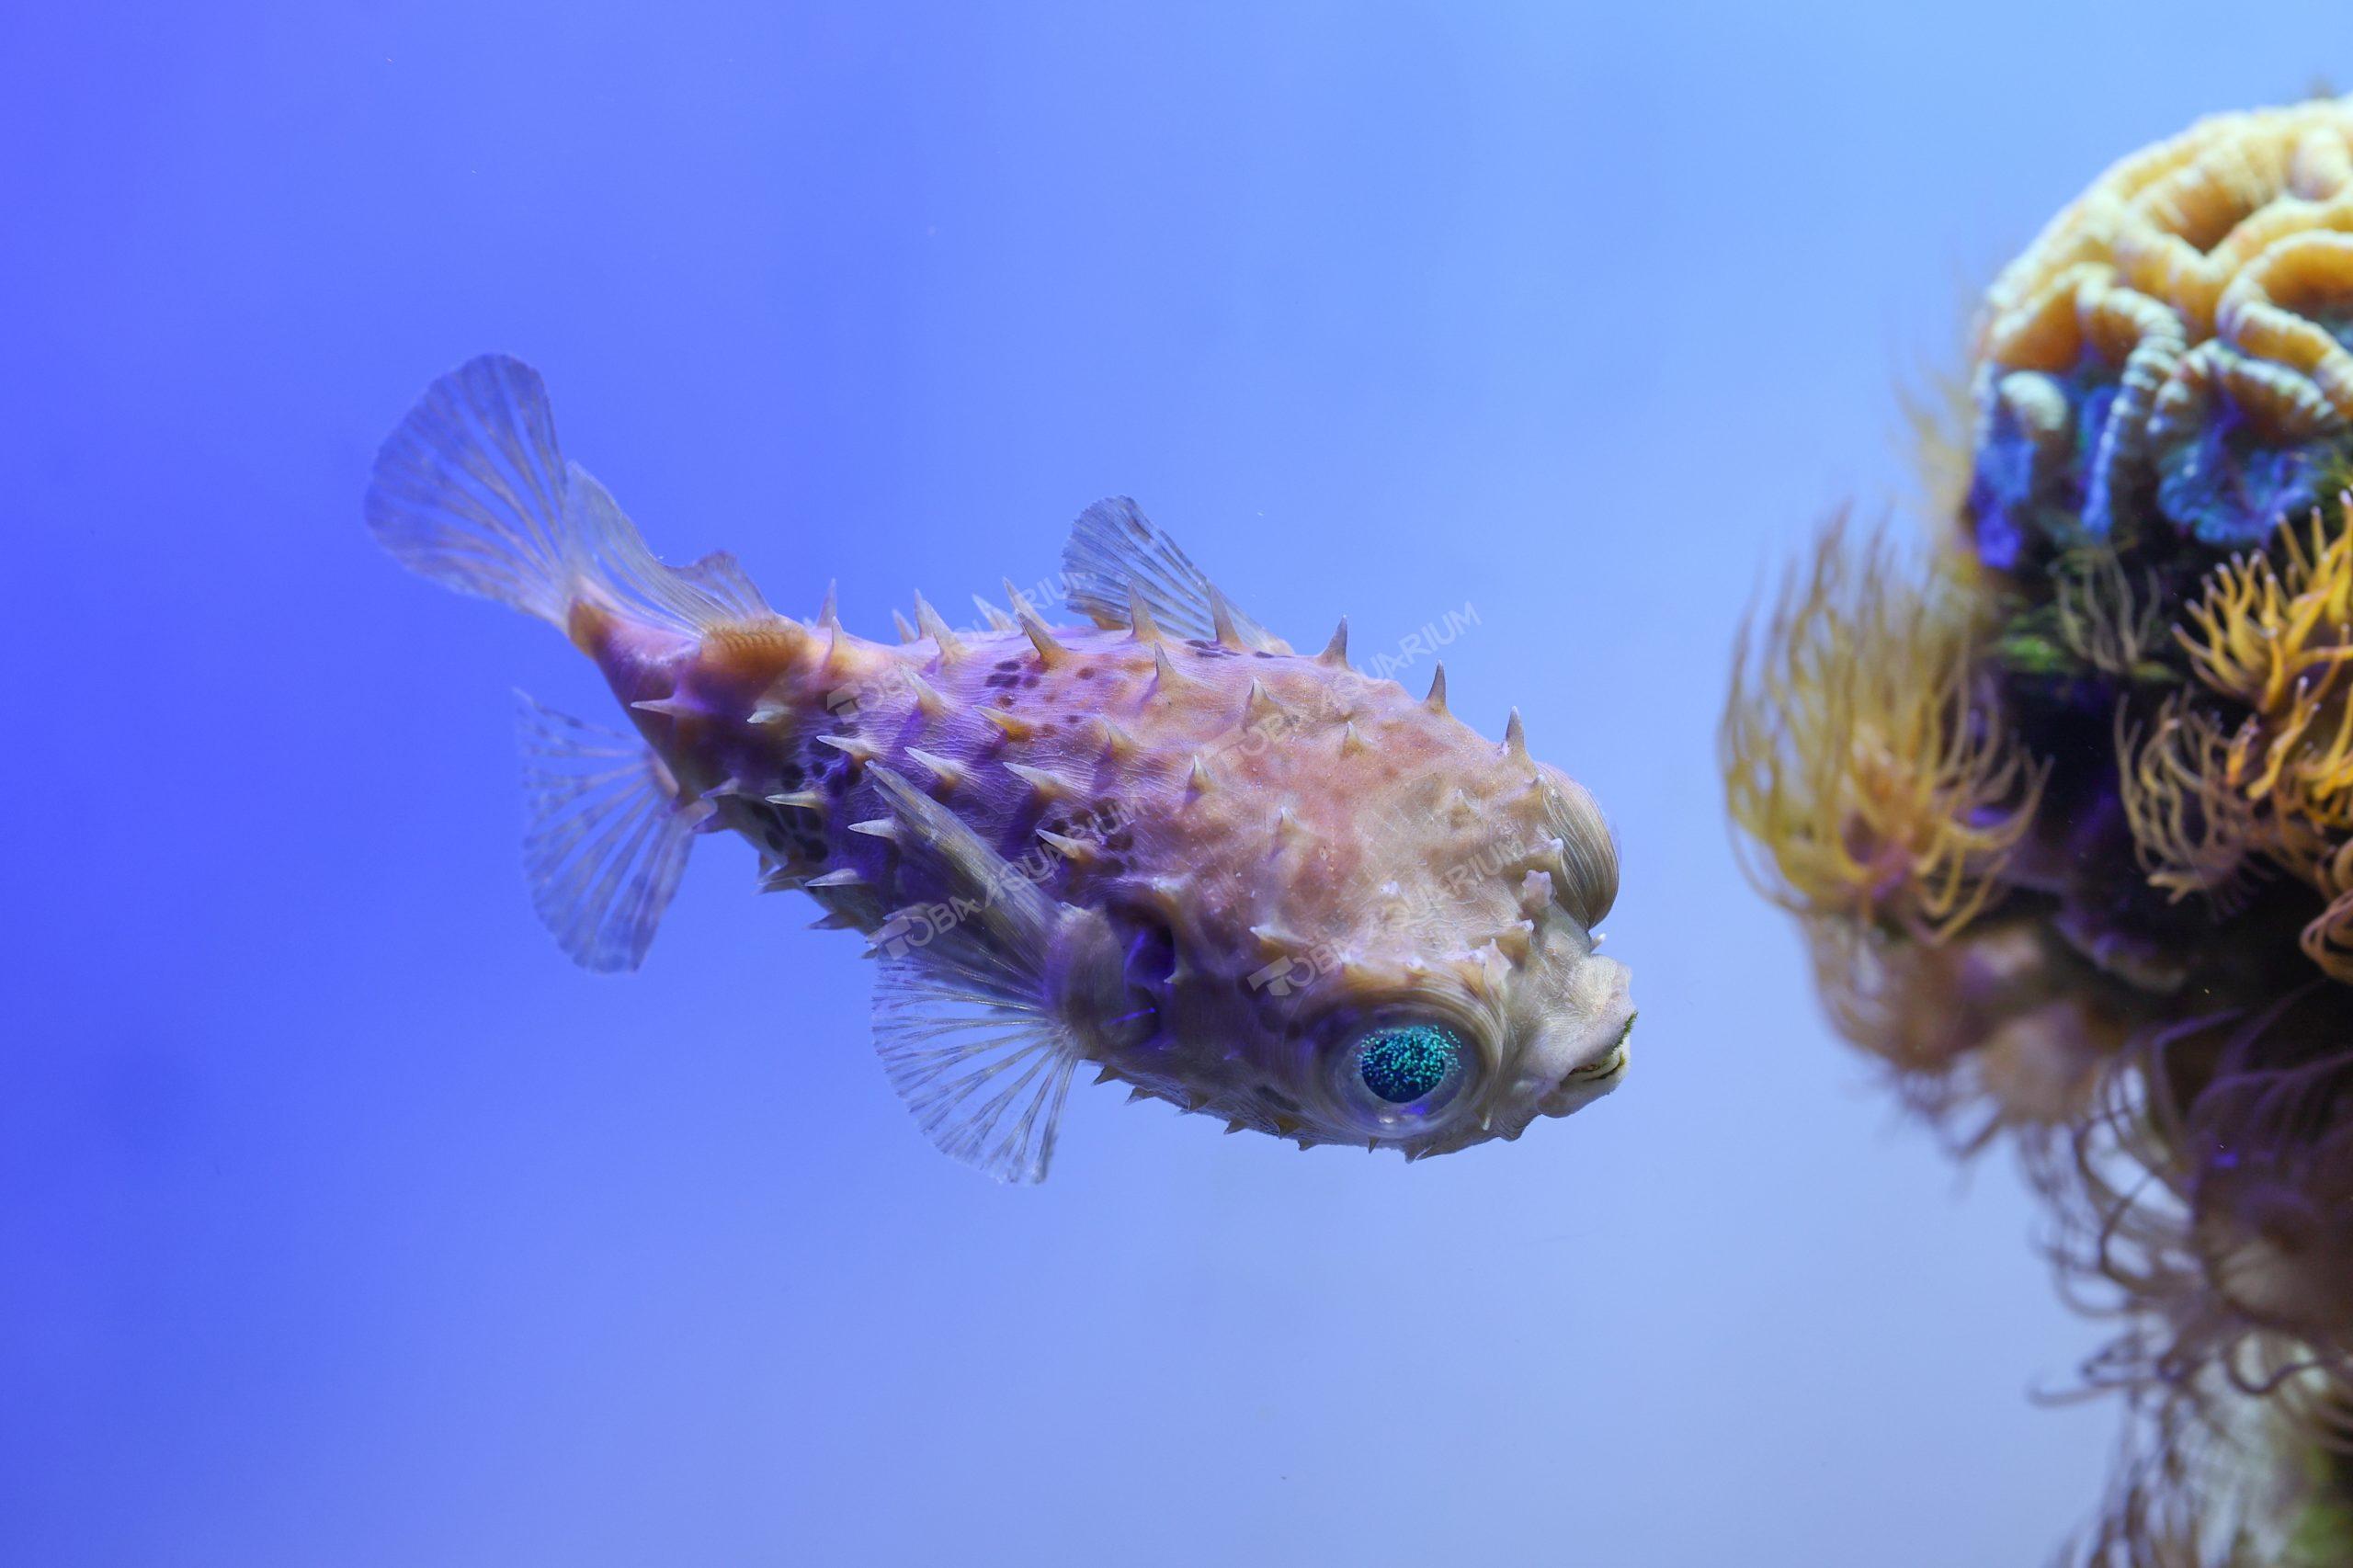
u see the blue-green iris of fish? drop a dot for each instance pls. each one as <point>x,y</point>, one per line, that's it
<point>1402,1063</point>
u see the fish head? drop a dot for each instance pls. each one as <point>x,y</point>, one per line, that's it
<point>1452,994</point>
<point>1486,1005</point>
<point>1435,1056</point>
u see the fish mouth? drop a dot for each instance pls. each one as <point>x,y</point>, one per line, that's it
<point>1609,1066</point>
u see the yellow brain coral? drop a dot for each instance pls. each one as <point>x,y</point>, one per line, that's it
<point>2210,275</point>
<point>2232,228</point>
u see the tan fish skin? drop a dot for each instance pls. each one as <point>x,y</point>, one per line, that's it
<point>1209,866</point>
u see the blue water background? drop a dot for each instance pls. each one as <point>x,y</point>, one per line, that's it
<point>343,1222</point>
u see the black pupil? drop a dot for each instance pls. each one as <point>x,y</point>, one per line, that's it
<point>1403,1064</point>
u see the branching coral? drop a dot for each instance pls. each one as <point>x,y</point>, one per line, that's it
<point>1860,754</point>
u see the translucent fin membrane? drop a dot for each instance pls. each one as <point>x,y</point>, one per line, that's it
<point>606,839</point>
<point>470,490</point>
<point>473,492</point>
<point>986,1075</point>
<point>960,1013</point>
<point>1114,549</point>
<point>612,554</point>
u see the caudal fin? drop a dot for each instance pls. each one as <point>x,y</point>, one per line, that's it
<point>471,489</point>
<point>473,492</point>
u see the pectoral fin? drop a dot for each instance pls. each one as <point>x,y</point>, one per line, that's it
<point>984,1073</point>
<point>961,1012</point>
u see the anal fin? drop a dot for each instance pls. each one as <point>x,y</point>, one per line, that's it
<point>607,836</point>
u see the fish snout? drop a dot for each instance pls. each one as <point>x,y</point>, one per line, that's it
<point>1588,1048</point>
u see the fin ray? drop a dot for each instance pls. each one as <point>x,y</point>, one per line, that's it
<point>1113,545</point>
<point>473,491</point>
<point>470,489</point>
<point>607,838</point>
<point>713,591</point>
<point>961,1017</point>
<point>985,1074</point>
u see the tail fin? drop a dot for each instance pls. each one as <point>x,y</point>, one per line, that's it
<point>471,489</point>
<point>472,492</point>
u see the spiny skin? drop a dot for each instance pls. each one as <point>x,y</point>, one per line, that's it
<point>1224,872</point>
<point>1284,848</point>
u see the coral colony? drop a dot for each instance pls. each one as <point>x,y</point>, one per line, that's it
<point>2065,809</point>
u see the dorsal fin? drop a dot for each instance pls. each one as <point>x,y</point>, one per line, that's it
<point>1113,546</point>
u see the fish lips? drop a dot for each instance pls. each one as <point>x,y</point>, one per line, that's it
<point>1594,1041</point>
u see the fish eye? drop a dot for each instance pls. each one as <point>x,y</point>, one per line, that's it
<point>1403,1076</point>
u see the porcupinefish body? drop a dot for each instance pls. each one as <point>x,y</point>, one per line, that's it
<point>1252,883</point>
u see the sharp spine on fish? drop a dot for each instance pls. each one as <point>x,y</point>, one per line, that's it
<point>951,647</point>
<point>1077,851</point>
<point>1011,727</point>
<point>1222,619</point>
<point>1141,625</point>
<point>858,748</point>
<point>947,769</point>
<point>1048,786</point>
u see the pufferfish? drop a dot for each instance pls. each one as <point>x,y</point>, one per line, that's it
<point>1255,884</point>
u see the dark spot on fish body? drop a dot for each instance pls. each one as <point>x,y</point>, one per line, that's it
<point>1086,672</point>
<point>1008,664</point>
